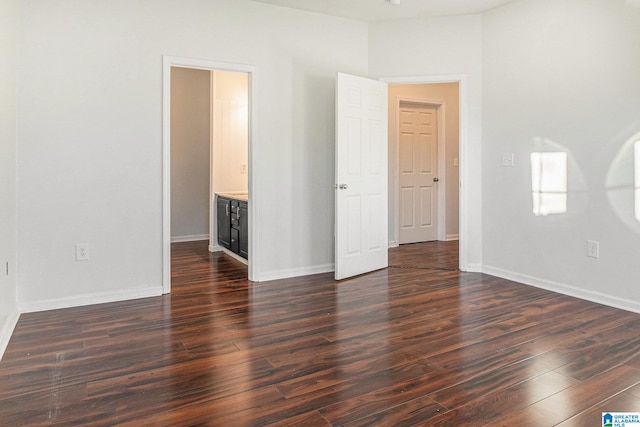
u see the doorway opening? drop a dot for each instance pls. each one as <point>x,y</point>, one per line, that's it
<point>207,146</point>
<point>417,142</point>
<point>426,116</point>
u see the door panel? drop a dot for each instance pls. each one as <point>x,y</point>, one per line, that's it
<point>378,151</point>
<point>427,150</point>
<point>418,158</point>
<point>406,207</point>
<point>361,227</point>
<point>377,238</point>
<point>426,208</point>
<point>406,153</point>
<point>354,148</point>
<point>354,215</point>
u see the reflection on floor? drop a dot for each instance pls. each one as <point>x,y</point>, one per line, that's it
<point>432,255</point>
<point>406,346</point>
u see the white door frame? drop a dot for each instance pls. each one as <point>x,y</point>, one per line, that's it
<point>440,115</point>
<point>463,175</point>
<point>173,61</point>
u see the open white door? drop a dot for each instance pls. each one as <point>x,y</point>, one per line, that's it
<point>361,224</point>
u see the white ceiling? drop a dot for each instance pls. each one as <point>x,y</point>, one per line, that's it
<point>382,10</point>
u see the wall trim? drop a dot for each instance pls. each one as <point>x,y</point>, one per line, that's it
<point>89,299</point>
<point>194,238</point>
<point>450,237</point>
<point>565,289</point>
<point>233,255</point>
<point>297,272</point>
<point>7,330</point>
<point>474,268</point>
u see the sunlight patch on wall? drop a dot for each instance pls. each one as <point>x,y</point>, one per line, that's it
<point>623,179</point>
<point>549,182</point>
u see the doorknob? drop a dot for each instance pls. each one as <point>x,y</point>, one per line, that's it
<point>436,179</point>
<point>343,186</point>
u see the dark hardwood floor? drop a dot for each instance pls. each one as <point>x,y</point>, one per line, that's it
<point>418,343</point>
<point>432,256</point>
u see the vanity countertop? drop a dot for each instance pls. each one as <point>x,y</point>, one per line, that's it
<point>244,197</point>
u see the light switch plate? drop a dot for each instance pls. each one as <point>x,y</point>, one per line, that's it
<point>507,160</point>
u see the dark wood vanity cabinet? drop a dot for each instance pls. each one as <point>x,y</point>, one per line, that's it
<point>223,215</point>
<point>233,225</point>
<point>243,230</point>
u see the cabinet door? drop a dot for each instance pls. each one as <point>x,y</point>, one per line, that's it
<point>235,241</point>
<point>243,226</point>
<point>223,214</point>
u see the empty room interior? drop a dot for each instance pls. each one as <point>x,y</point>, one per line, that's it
<point>322,213</point>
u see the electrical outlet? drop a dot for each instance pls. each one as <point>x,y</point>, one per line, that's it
<point>455,162</point>
<point>243,168</point>
<point>593,249</point>
<point>82,251</point>
<point>507,160</point>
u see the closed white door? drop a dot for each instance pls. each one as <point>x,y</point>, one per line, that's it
<point>418,170</point>
<point>361,218</point>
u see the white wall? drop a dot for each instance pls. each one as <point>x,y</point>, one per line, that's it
<point>448,95</point>
<point>230,132</point>
<point>90,143</point>
<point>8,88</point>
<point>437,47</point>
<point>563,75</point>
<point>190,148</point>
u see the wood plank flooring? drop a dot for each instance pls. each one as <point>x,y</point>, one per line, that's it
<point>418,343</point>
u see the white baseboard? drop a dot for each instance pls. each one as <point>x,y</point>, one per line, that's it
<point>474,268</point>
<point>88,299</point>
<point>7,330</point>
<point>194,238</point>
<point>233,255</point>
<point>296,272</point>
<point>561,288</point>
<point>450,237</point>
